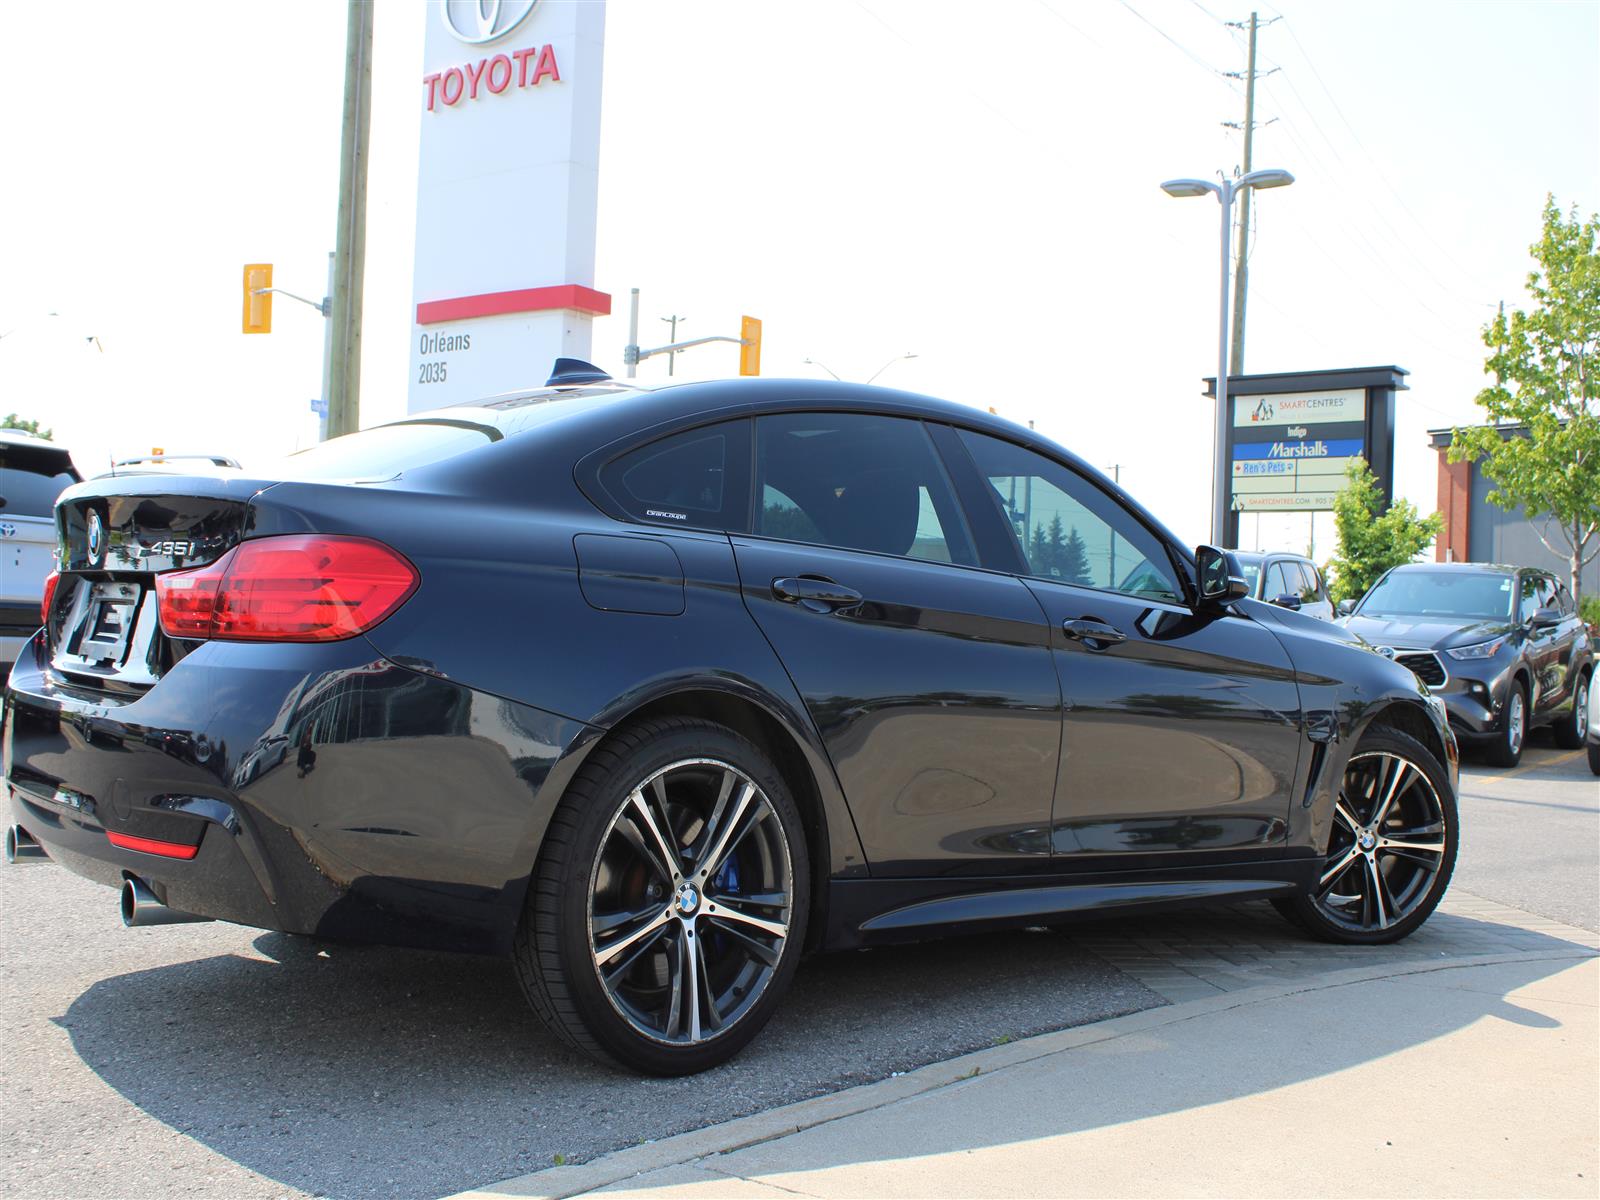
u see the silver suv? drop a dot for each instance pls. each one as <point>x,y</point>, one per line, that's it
<point>33,472</point>
<point>1287,580</point>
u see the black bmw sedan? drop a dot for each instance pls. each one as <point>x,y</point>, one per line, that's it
<point>653,691</point>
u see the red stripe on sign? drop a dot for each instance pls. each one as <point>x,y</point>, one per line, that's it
<point>493,304</point>
<point>150,846</point>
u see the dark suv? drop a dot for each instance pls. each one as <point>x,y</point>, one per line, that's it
<point>1287,580</point>
<point>1502,646</point>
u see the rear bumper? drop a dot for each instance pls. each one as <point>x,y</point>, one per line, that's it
<point>320,789</point>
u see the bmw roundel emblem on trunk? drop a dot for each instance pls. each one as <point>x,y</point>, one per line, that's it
<point>97,539</point>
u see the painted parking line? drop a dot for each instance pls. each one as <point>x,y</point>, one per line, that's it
<point>1542,764</point>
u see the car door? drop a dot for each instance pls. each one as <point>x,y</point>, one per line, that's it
<point>1550,647</point>
<point>1181,728</point>
<point>929,678</point>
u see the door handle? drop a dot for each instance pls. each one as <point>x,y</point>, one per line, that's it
<point>818,595</point>
<point>1090,631</point>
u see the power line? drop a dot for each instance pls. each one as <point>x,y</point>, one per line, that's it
<point>1184,50</point>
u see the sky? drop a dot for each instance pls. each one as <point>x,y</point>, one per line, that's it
<point>975,185</point>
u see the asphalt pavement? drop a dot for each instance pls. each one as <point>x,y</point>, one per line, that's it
<point>211,1060</point>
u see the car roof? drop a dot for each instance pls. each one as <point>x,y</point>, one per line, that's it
<point>634,410</point>
<point>1257,556</point>
<point>16,437</point>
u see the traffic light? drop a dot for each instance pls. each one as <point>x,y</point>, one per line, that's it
<point>750,348</point>
<point>257,299</point>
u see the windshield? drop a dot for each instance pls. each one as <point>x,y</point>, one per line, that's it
<point>1475,595</point>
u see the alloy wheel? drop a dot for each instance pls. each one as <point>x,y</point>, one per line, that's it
<point>1387,846</point>
<point>689,901</point>
<point>1580,704</point>
<point>1516,721</point>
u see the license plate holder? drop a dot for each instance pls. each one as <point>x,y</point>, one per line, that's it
<point>108,623</point>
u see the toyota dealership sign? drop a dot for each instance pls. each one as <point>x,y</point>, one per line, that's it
<point>507,189</point>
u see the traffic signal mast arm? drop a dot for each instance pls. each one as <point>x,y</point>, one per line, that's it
<point>323,306</point>
<point>632,354</point>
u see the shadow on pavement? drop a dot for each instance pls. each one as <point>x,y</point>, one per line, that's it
<point>356,1071</point>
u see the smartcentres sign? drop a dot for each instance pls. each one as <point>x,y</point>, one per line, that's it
<point>1292,436</point>
<point>1290,451</point>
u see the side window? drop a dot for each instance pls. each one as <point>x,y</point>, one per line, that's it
<point>1278,582</point>
<point>857,481</point>
<point>1310,586</point>
<point>1564,599</point>
<point>694,478</point>
<point>1547,593</point>
<point>1067,528</point>
<point>1529,603</point>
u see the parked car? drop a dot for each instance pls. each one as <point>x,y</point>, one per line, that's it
<point>33,472</point>
<point>654,690</point>
<point>1593,728</point>
<point>1502,646</point>
<point>1287,580</point>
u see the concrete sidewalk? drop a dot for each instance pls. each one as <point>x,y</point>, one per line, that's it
<point>1475,1077</point>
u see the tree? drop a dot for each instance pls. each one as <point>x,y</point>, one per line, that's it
<point>12,421</point>
<point>1371,540</point>
<point>1543,449</point>
<point>1075,561</point>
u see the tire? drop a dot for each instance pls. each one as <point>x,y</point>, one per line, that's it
<point>629,948</point>
<point>1412,851</point>
<point>1594,758</point>
<point>1572,730</point>
<point>1506,749</point>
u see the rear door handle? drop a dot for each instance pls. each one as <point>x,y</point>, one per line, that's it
<point>1096,635</point>
<point>818,595</point>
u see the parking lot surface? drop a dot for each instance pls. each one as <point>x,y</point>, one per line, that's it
<point>214,1060</point>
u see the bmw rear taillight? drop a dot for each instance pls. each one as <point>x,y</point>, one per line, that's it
<point>293,588</point>
<point>49,600</point>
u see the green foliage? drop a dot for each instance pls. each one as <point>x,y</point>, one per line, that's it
<point>1589,610</point>
<point>1059,553</point>
<point>1371,540</point>
<point>1546,365</point>
<point>12,421</point>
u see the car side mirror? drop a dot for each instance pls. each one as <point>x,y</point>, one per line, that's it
<point>1287,600</point>
<point>1546,618</point>
<point>1346,607</point>
<point>1221,578</point>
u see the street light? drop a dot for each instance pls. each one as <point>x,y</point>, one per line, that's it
<point>897,358</point>
<point>890,363</point>
<point>1224,191</point>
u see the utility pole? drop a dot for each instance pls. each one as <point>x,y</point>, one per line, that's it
<point>672,355</point>
<point>350,244</point>
<point>1241,272</point>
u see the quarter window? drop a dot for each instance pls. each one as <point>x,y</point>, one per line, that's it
<point>856,481</point>
<point>690,478</point>
<point>1067,528</point>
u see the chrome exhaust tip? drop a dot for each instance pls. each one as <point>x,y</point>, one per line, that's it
<point>21,848</point>
<point>140,907</point>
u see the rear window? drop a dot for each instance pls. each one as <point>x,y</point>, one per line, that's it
<point>31,478</point>
<point>386,451</point>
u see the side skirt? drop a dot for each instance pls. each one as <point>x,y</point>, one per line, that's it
<point>864,912</point>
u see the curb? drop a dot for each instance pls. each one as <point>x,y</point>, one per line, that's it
<point>557,1183</point>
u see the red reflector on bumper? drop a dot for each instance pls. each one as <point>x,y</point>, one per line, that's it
<point>151,846</point>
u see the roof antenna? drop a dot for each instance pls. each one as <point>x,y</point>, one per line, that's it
<point>574,370</point>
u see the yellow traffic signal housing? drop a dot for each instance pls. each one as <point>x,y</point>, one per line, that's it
<point>257,299</point>
<point>750,350</point>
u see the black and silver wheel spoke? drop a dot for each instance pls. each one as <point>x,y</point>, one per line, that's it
<point>689,903</point>
<point>1388,844</point>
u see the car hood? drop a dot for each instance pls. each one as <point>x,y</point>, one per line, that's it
<point>1424,633</point>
